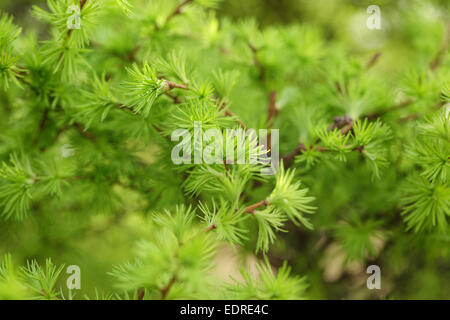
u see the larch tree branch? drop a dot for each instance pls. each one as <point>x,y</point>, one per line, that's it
<point>178,10</point>
<point>251,209</point>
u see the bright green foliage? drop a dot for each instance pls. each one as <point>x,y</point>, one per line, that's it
<point>64,51</point>
<point>426,205</point>
<point>17,180</point>
<point>356,239</point>
<point>9,71</point>
<point>42,280</point>
<point>290,199</point>
<point>227,224</point>
<point>174,67</point>
<point>11,286</point>
<point>426,197</point>
<point>143,88</point>
<point>99,102</point>
<point>88,115</point>
<point>31,282</point>
<point>269,287</point>
<point>269,222</point>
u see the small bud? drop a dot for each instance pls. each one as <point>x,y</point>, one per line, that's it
<point>163,85</point>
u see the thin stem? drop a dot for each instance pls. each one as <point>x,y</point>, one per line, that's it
<point>340,122</point>
<point>171,85</point>
<point>272,110</point>
<point>251,209</point>
<point>55,137</point>
<point>231,114</point>
<point>360,149</point>
<point>289,158</point>
<point>338,87</point>
<point>211,227</point>
<point>84,132</point>
<point>373,60</point>
<point>347,128</point>
<point>47,295</point>
<point>437,61</point>
<point>123,106</point>
<point>222,106</point>
<point>345,123</point>
<point>166,289</point>
<point>399,106</point>
<point>178,10</point>
<point>271,114</point>
<point>22,73</point>
<point>44,118</point>
<point>257,62</point>
<point>175,99</point>
<point>41,127</point>
<point>409,117</point>
<point>176,85</point>
<point>228,113</point>
<point>131,55</point>
<point>227,167</point>
<point>131,109</point>
<point>141,293</point>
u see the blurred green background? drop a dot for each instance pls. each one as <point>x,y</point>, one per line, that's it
<point>340,20</point>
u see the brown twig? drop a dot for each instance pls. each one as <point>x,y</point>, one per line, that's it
<point>172,85</point>
<point>44,120</point>
<point>175,85</point>
<point>399,106</point>
<point>166,289</point>
<point>141,293</point>
<point>360,149</point>
<point>84,132</point>
<point>373,60</point>
<point>251,209</point>
<point>346,129</point>
<point>46,295</point>
<point>210,228</point>
<point>125,107</point>
<point>131,55</point>
<point>257,62</point>
<point>175,99</point>
<point>231,114</point>
<point>408,118</point>
<point>223,106</point>
<point>437,61</point>
<point>272,110</point>
<point>41,127</point>
<point>345,123</point>
<point>415,116</point>
<point>289,158</point>
<point>178,10</point>
<point>338,87</point>
<point>227,167</point>
<point>271,114</point>
<point>22,73</point>
<point>340,122</point>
